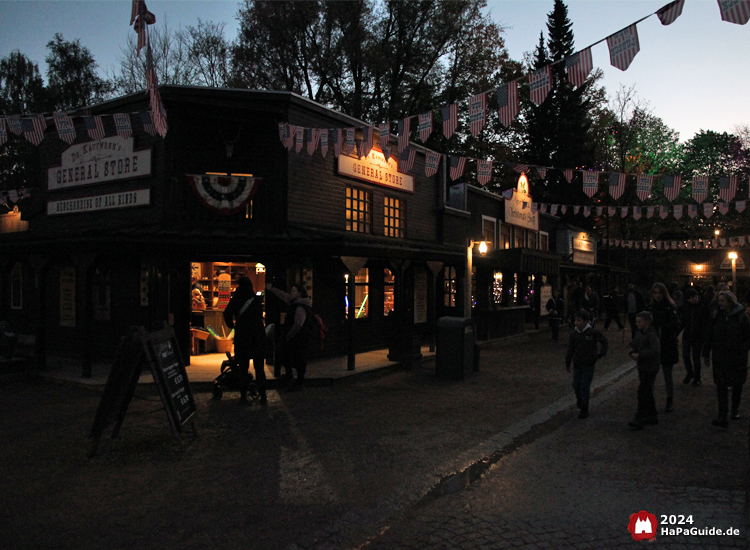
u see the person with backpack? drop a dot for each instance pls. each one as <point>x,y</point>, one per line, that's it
<point>298,328</point>
<point>244,313</point>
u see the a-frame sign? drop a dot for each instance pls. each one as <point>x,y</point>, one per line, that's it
<point>160,350</point>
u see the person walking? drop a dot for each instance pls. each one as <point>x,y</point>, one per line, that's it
<point>726,346</point>
<point>612,308</point>
<point>590,302</point>
<point>585,347</point>
<point>667,323</point>
<point>296,331</point>
<point>646,351</point>
<point>693,318</point>
<point>244,313</point>
<point>555,308</point>
<point>635,304</point>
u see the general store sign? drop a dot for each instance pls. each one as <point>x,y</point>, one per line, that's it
<point>518,209</point>
<point>375,169</point>
<point>110,201</point>
<point>108,159</point>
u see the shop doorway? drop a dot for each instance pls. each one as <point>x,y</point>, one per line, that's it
<point>212,286</point>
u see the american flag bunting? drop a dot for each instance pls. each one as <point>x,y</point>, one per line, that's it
<point>14,124</point>
<point>590,182</point>
<point>367,140</point>
<point>33,128</point>
<point>299,138</point>
<point>644,185</point>
<point>477,113</point>
<point>739,206</point>
<point>663,212</point>
<point>541,171</point>
<point>623,211</point>
<point>677,211</point>
<point>484,171</point>
<point>540,83</point>
<point>636,212</point>
<point>623,47</point>
<point>520,168</point>
<point>700,188</point>
<point>708,209</point>
<point>724,207</point>
<point>406,162</point>
<point>450,119</point>
<point>727,187</point>
<point>94,127</point>
<point>568,172</point>
<point>431,163</point>
<point>457,165</point>
<point>425,126</point>
<point>350,133</point>
<point>650,211</point>
<point>324,141</point>
<point>148,125</point>
<point>617,184</point>
<point>507,99</point>
<point>338,141</point>
<point>735,11</point>
<point>312,137</point>
<point>578,66</point>
<point>672,187</point>
<point>404,128</point>
<point>384,134</point>
<point>66,130</point>
<point>692,210</point>
<point>670,12</point>
<point>122,125</point>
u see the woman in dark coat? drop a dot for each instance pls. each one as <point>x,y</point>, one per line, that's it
<point>667,323</point>
<point>727,342</point>
<point>244,314</point>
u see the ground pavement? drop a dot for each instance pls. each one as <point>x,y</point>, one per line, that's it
<point>402,460</point>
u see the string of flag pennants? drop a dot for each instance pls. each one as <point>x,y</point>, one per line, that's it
<point>623,46</point>
<point>691,244</point>
<point>636,212</point>
<point>33,127</point>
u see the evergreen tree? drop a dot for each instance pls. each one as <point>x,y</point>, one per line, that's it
<point>72,77</point>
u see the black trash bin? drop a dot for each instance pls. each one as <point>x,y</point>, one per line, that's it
<point>455,351</point>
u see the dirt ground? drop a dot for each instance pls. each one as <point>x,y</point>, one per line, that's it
<point>328,465</point>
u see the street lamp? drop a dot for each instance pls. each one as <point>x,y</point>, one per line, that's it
<point>481,244</point>
<point>733,257</point>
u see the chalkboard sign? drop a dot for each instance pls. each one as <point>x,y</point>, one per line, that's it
<point>161,352</point>
<point>166,363</point>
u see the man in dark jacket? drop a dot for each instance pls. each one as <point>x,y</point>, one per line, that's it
<point>244,313</point>
<point>635,303</point>
<point>585,347</point>
<point>555,308</point>
<point>646,351</point>
<point>693,317</point>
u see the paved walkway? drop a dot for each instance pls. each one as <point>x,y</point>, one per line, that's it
<point>404,460</point>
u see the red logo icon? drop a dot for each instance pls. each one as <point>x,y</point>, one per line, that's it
<point>642,526</point>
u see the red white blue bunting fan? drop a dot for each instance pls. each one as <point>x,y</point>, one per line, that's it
<point>225,194</point>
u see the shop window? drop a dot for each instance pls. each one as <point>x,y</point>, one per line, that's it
<point>532,240</point>
<point>449,286</point>
<point>543,241</point>
<point>16,286</point>
<point>520,237</point>
<point>394,220</point>
<point>361,294</point>
<point>505,236</point>
<point>489,226</point>
<point>497,288</point>
<point>358,210</point>
<point>389,292</point>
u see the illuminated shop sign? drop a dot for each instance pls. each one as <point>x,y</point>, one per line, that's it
<point>375,169</point>
<point>518,209</point>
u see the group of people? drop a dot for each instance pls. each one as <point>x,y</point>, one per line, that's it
<point>244,313</point>
<point>715,330</point>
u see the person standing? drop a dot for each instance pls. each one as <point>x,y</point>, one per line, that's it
<point>646,351</point>
<point>635,304</point>
<point>726,346</point>
<point>555,308</point>
<point>590,302</point>
<point>297,331</point>
<point>612,308</point>
<point>585,347</point>
<point>244,313</point>
<point>667,323</point>
<point>693,318</point>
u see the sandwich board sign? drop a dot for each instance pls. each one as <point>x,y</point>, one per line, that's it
<point>158,349</point>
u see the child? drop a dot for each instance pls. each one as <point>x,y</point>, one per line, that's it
<point>585,347</point>
<point>646,350</point>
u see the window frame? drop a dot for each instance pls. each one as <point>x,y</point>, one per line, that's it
<point>364,197</point>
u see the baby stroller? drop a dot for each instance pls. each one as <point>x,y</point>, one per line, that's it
<point>229,379</point>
